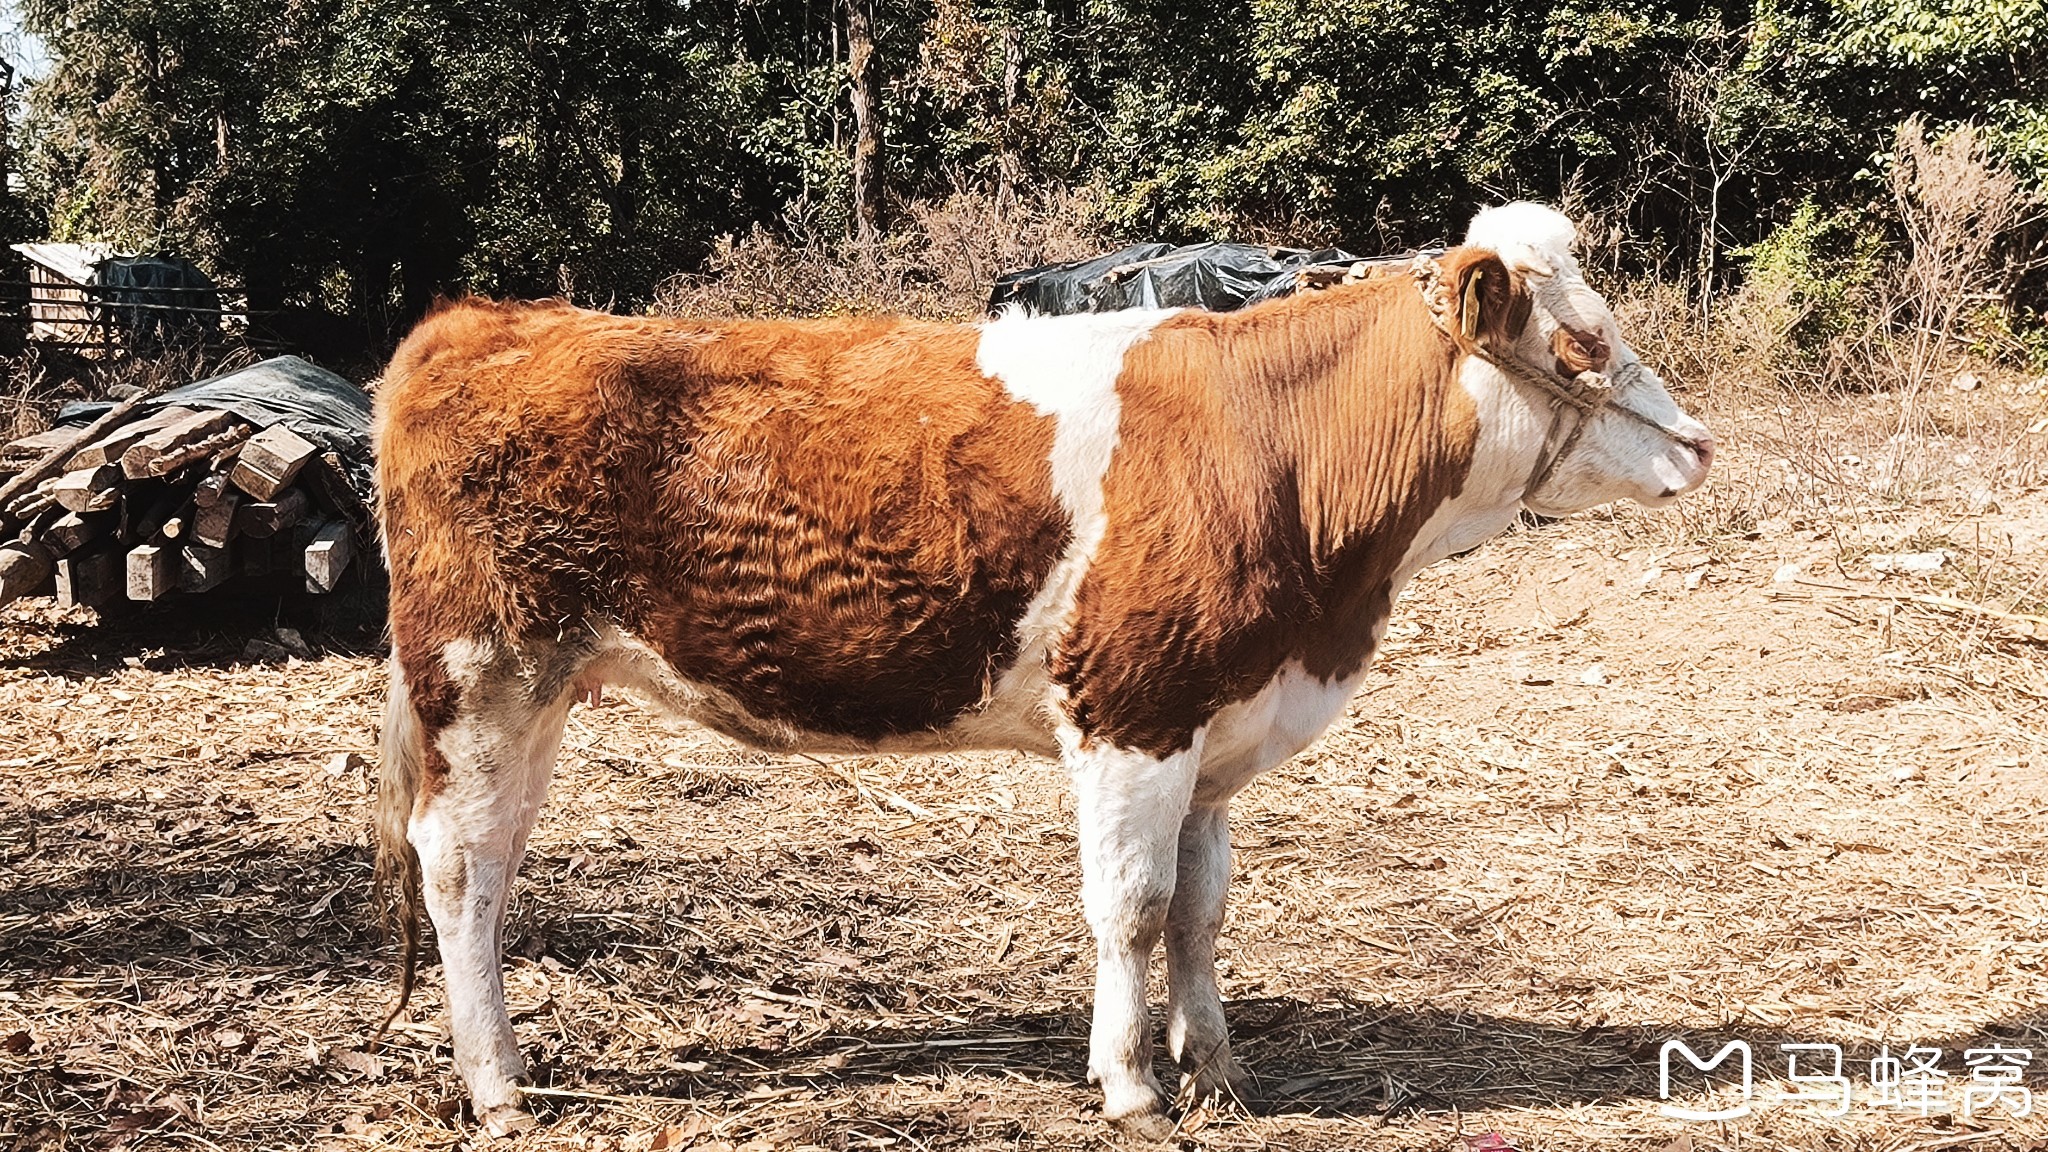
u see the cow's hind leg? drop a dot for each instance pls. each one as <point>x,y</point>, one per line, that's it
<point>469,827</point>
<point>1131,807</point>
<point>1195,1032</point>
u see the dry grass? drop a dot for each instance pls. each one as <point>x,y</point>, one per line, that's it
<point>1894,305</point>
<point>1616,780</point>
<point>37,382</point>
<point>937,264</point>
<point>1959,210</point>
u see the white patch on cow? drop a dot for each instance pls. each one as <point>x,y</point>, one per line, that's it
<point>1197,1036</point>
<point>1534,238</point>
<point>1258,733</point>
<point>470,833</point>
<point>1065,367</point>
<point>1537,241</point>
<point>463,660</point>
<point>1513,422</point>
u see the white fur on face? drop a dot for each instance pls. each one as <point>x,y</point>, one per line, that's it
<point>1616,456</point>
<point>1533,238</point>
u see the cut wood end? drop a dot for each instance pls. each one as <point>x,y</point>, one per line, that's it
<point>150,573</point>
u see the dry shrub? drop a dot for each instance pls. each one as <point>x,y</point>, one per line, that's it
<point>1959,209</point>
<point>1759,323</point>
<point>1824,358</point>
<point>1960,213</point>
<point>36,383</point>
<point>27,409</point>
<point>1812,299</point>
<point>1832,302</point>
<point>938,264</point>
<point>169,368</point>
<point>1660,322</point>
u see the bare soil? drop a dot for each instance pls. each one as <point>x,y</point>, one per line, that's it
<point>1700,774</point>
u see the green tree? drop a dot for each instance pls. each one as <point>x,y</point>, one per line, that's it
<point>363,155</point>
<point>366,154</point>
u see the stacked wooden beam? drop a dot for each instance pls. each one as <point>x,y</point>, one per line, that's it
<point>142,506</point>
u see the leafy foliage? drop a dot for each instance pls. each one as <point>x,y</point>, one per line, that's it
<point>1812,283</point>
<point>365,154</point>
<point>362,155</point>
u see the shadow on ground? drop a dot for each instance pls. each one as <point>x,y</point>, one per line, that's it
<point>217,630</point>
<point>149,894</point>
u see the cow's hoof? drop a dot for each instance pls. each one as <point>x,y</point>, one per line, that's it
<point>1221,1082</point>
<point>1151,1127</point>
<point>506,1120</point>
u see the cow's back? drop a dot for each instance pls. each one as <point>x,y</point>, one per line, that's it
<point>836,523</point>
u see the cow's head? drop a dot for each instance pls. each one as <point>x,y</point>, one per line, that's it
<point>1640,445</point>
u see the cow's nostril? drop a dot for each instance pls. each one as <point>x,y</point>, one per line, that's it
<point>1704,449</point>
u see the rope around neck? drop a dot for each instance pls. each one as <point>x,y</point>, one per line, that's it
<point>1586,393</point>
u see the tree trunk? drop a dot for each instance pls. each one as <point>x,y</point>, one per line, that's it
<point>1009,163</point>
<point>870,219</point>
<point>625,199</point>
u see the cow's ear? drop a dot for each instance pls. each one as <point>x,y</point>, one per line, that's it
<point>1489,304</point>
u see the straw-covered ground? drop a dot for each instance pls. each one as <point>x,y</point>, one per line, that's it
<point>1704,774</point>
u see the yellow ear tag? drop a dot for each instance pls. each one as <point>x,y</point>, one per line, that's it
<point>1468,315</point>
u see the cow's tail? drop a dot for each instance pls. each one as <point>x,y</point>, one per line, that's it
<point>398,866</point>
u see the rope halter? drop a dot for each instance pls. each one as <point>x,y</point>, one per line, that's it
<point>1586,393</point>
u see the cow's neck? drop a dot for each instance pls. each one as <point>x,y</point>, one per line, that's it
<point>1379,439</point>
<point>1497,437</point>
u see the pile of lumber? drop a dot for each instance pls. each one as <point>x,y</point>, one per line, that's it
<point>143,504</point>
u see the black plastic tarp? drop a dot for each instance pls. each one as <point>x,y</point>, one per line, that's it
<point>305,397</point>
<point>1219,277</point>
<point>154,301</point>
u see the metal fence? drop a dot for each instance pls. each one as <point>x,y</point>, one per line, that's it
<point>100,319</point>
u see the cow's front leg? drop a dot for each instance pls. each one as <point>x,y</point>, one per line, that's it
<point>1195,1032</point>
<point>470,832</point>
<point>1131,807</point>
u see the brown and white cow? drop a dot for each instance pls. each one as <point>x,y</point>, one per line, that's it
<point>1158,545</point>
